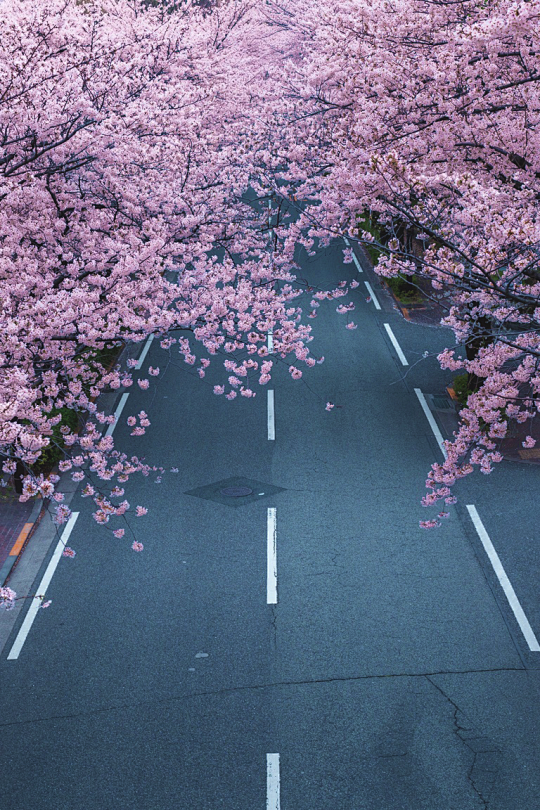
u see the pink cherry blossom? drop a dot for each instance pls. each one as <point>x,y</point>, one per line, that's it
<point>7,598</point>
<point>61,515</point>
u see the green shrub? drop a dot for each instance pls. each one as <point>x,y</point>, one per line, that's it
<point>54,451</point>
<point>368,223</point>
<point>404,288</point>
<point>461,388</point>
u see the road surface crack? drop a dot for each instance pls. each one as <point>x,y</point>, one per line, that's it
<point>486,757</point>
<point>251,688</point>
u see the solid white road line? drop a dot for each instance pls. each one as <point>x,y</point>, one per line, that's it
<point>372,294</point>
<point>36,602</point>
<point>271,557</point>
<point>271,415</point>
<point>117,414</point>
<point>144,352</point>
<point>509,592</point>
<point>396,345</point>
<point>432,423</point>
<point>354,256</point>
<point>272,782</point>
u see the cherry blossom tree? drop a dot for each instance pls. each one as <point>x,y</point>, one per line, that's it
<point>124,133</point>
<point>420,120</point>
<point>132,136</point>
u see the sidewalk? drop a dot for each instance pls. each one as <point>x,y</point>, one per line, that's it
<point>446,412</point>
<point>17,522</point>
<point>446,409</point>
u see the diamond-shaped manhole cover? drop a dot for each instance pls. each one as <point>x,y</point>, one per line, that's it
<point>235,491</point>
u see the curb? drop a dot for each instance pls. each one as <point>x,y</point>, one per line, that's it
<point>20,544</point>
<point>40,507</point>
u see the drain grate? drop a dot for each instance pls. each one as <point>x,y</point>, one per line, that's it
<point>442,403</point>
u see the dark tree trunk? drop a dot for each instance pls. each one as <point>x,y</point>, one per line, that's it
<point>481,336</point>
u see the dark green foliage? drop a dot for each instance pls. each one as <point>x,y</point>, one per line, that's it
<point>461,388</point>
<point>54,452</point>
<point>405,288</point>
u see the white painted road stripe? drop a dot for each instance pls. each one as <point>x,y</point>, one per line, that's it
<point>35,604</point>
<point>396,345</point>
<point>271,557</point>
<point>144,352</point>
<point>271,415</point>
<point>372,294</point>
<point>354,256</point>
<point>117,414</point>
<point>270,341</point>
<point>272,782</point>
<point>510,594</point>
<point>431,419</point>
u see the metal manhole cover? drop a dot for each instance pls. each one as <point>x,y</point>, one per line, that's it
<point>236,492</point>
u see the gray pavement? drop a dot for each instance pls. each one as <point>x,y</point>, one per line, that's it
<point>391,674</point>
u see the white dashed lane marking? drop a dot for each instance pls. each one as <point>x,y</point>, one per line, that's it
<point>395,344</point>
<point>272,782</point>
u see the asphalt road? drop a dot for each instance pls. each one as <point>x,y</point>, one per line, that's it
<point>390,674</point>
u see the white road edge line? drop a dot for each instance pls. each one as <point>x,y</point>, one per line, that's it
<point>506,585</point>
<point>36,602</point>
<point>117,414</point>
<point>144,352</point>
<point>271,415</point>
<point>354,256</point>
<point>272,782</point>
<point>396,345</point>
<point>372,294</point>
<point>271,557</point>
<point>431,419</point>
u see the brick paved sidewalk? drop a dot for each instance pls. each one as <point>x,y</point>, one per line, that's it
<point>16,521</point>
